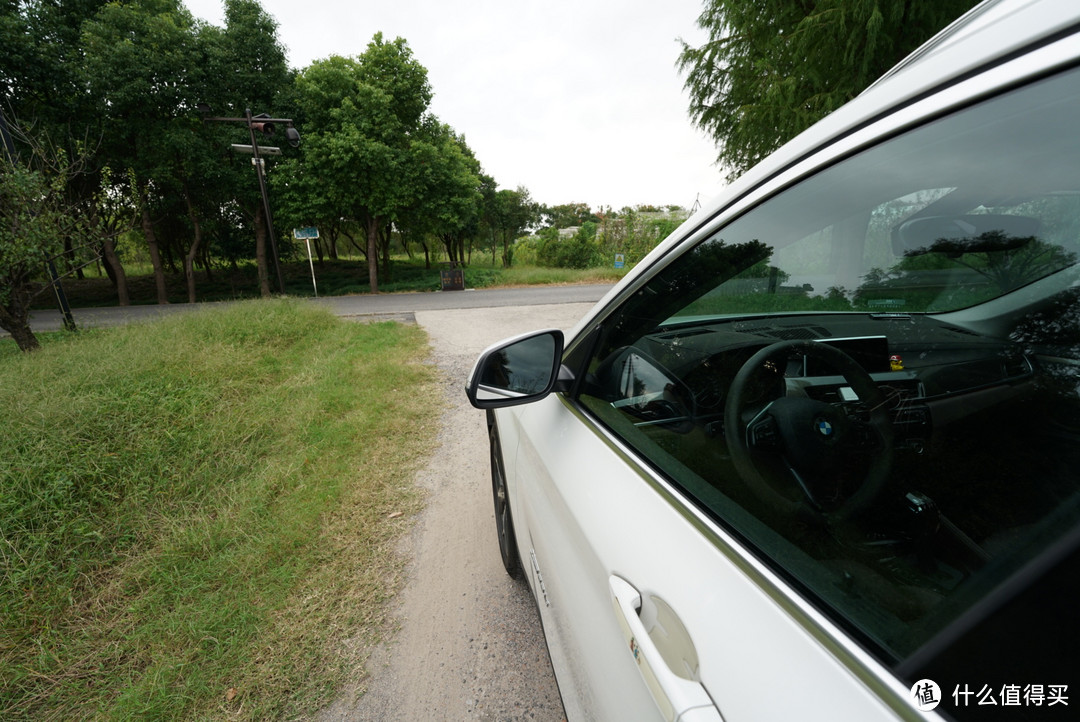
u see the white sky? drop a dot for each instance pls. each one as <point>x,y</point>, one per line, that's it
<point>577,100</point>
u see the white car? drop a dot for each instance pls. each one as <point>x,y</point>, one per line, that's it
<point>818,456</point>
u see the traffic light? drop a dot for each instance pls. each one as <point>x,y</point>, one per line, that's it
<point>262,126</point>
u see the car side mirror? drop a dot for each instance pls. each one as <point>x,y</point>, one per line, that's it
<point>519,370</point>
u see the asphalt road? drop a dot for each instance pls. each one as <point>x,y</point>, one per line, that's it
<point>385,305</point>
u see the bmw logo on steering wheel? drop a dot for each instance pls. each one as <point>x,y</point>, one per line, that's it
<point>824,427</point>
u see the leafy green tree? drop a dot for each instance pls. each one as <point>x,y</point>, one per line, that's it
<point>139,59</point>
<point>41,64</point>
<point>245,68</point>
<point>35,217</point>
<point>509,215</point>
<point>447,181</point>
<point>771,69</point>
<point>567,215</point>
<point>42,84</point>
<point>365,115</point>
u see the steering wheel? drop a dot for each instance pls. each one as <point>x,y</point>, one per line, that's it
<point>817,442</point>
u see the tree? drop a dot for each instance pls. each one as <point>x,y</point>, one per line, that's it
<point>365,117</point>
<point>42,84</point>
<point>510,213</point>
<point>579,251</point>
<point>567,215</point>
<point>35,218</point>
<point>245,68</point>
<point>139,59</point>
<point>771,69</point>
<point>446,182</point>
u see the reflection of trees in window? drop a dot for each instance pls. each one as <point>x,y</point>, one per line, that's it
<point>1008,262</point>
<point>676,288</point>
<point>956,272</point>
<point>887,216</point>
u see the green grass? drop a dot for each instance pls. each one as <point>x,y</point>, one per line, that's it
<point>538,276</point>
<point>334,278</point>
<point>198,516</point>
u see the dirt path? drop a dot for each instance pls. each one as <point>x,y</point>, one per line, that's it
<point>470,645</point>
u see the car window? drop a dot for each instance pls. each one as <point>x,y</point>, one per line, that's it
<point>872,378</point>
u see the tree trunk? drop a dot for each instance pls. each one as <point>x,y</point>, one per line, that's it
<point>372,228</point>
<point>260,253</point>
<point>193,251</point>
<point>155,256</point>
<point>384,241</point>
<point>208,266</point>
<point>24,338</point>
<point>16,324</point>
<point>506,257</point>
<point>116,272</point>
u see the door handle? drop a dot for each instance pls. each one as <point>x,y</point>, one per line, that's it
<point>664,654</point>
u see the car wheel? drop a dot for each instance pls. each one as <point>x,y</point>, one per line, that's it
<point>504,523</point>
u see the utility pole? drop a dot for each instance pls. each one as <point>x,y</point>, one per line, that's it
<point>260,173</point>
<point>265,125</point>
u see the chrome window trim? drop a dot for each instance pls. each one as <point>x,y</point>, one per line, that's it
<point>877,680</point>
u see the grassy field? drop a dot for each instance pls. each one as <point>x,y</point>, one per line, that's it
<point>334,278</point>
<point>198,516</point>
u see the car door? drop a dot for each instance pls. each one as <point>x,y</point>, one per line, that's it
<point>652,612</point>
<point>825,450</point>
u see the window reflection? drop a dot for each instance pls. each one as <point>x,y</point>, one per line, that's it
<point>521,368</point>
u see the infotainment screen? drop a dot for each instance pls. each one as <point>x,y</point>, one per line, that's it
<point>870,352</point>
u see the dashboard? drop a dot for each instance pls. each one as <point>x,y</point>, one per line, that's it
<point>932,374</point>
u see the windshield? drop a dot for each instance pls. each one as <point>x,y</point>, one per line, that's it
<point>954,214</point>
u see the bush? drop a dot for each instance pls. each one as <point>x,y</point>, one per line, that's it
<point>581,251</point>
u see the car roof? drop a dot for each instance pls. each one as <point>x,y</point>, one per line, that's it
<point>993,32</point>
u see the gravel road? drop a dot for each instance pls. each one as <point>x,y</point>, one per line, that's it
<point>470,645</point>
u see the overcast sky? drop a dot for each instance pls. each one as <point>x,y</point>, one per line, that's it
<point>576,100</point>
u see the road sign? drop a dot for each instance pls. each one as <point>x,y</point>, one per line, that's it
<point>307,235</point>
<point>263,149</point>
<point>452,279</point>
<point>620,260</point>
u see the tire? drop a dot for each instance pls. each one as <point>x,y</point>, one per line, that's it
<point>504,522</point>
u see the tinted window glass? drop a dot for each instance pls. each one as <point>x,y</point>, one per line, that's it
<point>873,377</point>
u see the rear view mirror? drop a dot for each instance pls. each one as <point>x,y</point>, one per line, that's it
<point>516,371</point>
